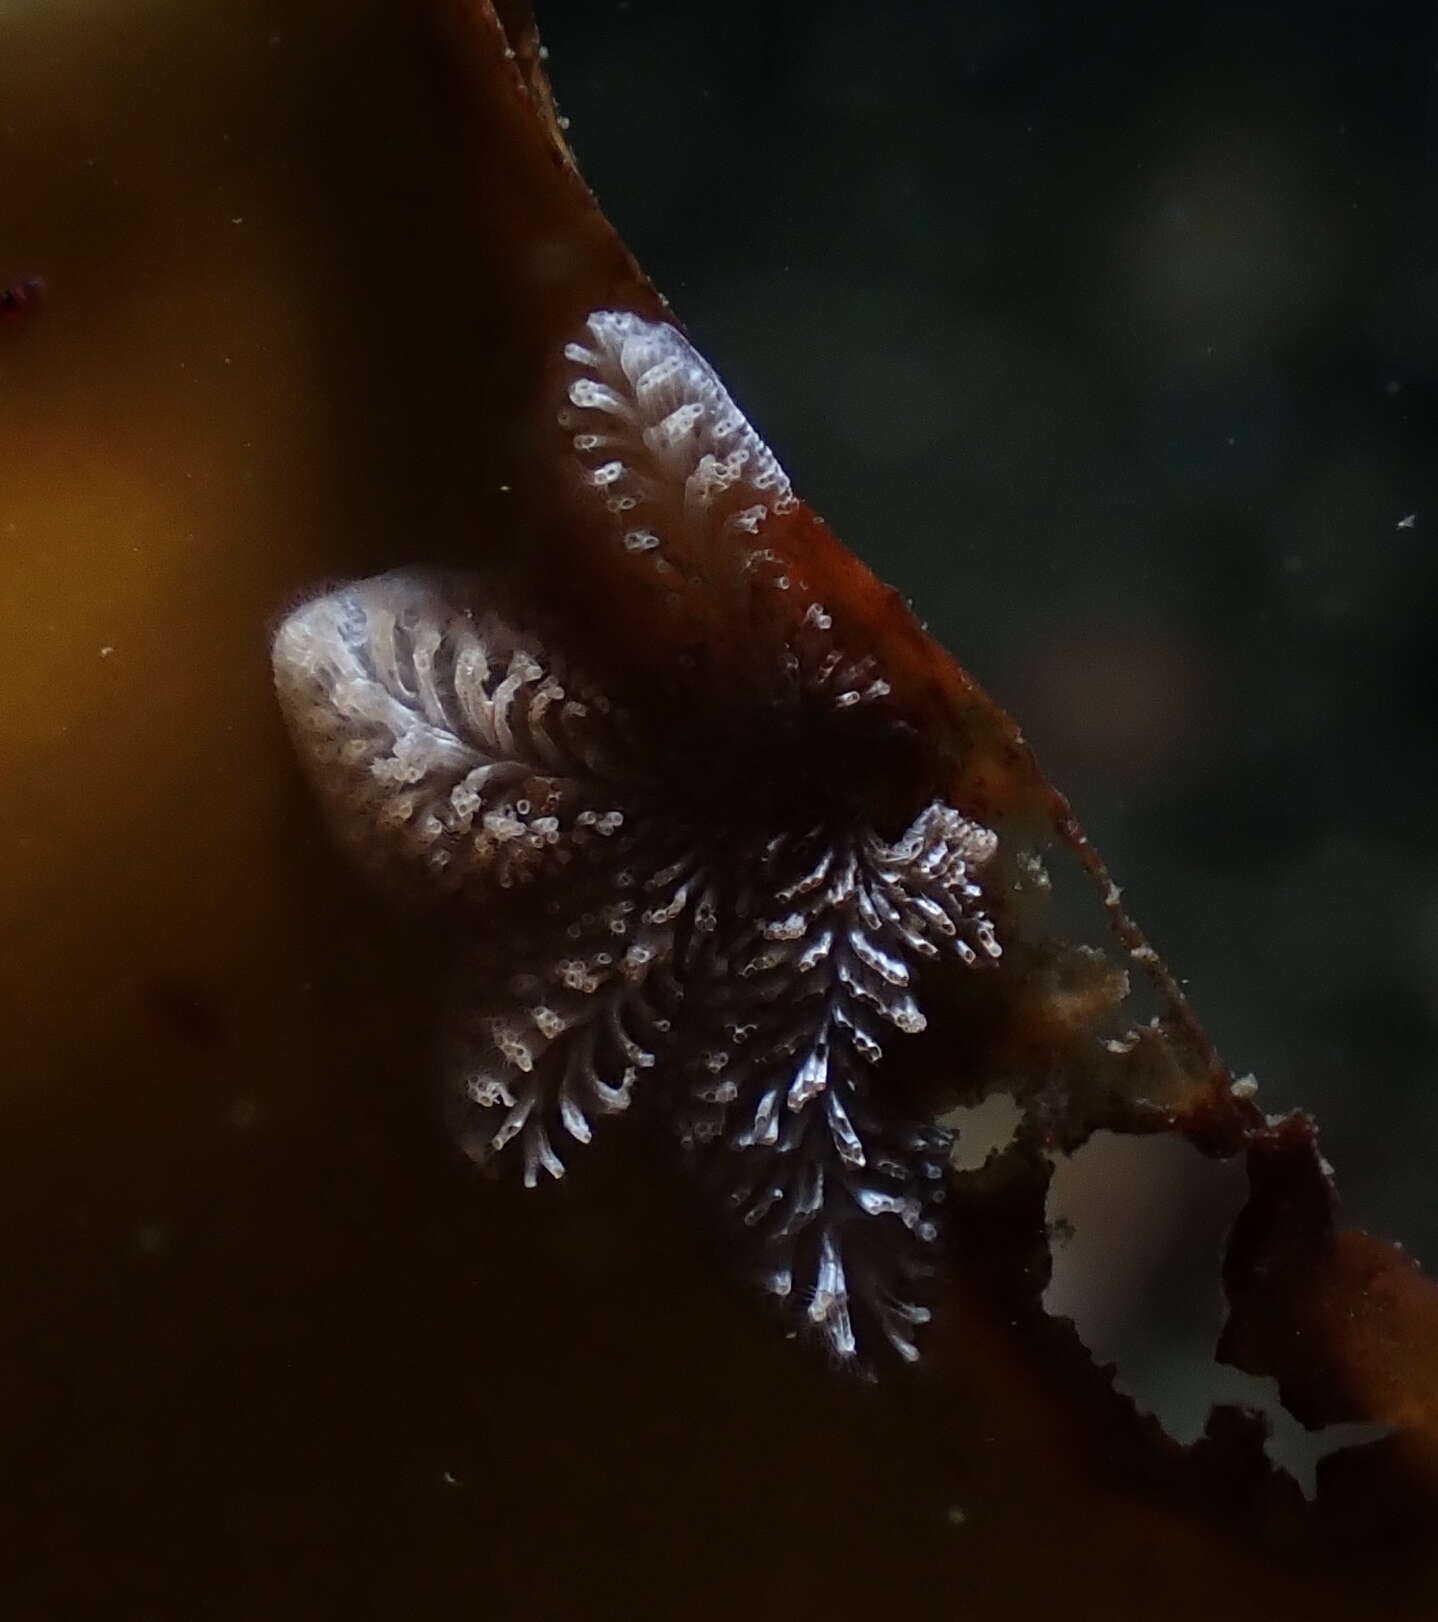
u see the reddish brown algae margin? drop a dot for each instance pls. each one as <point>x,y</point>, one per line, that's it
<point>1086,1034</point>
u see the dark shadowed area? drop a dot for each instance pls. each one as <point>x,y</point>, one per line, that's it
<point>1108,333</point>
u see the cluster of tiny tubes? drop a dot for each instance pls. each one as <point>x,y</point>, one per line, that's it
<point>751,979</point>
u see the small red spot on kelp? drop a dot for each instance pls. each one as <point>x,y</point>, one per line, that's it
<point>21,300</point>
